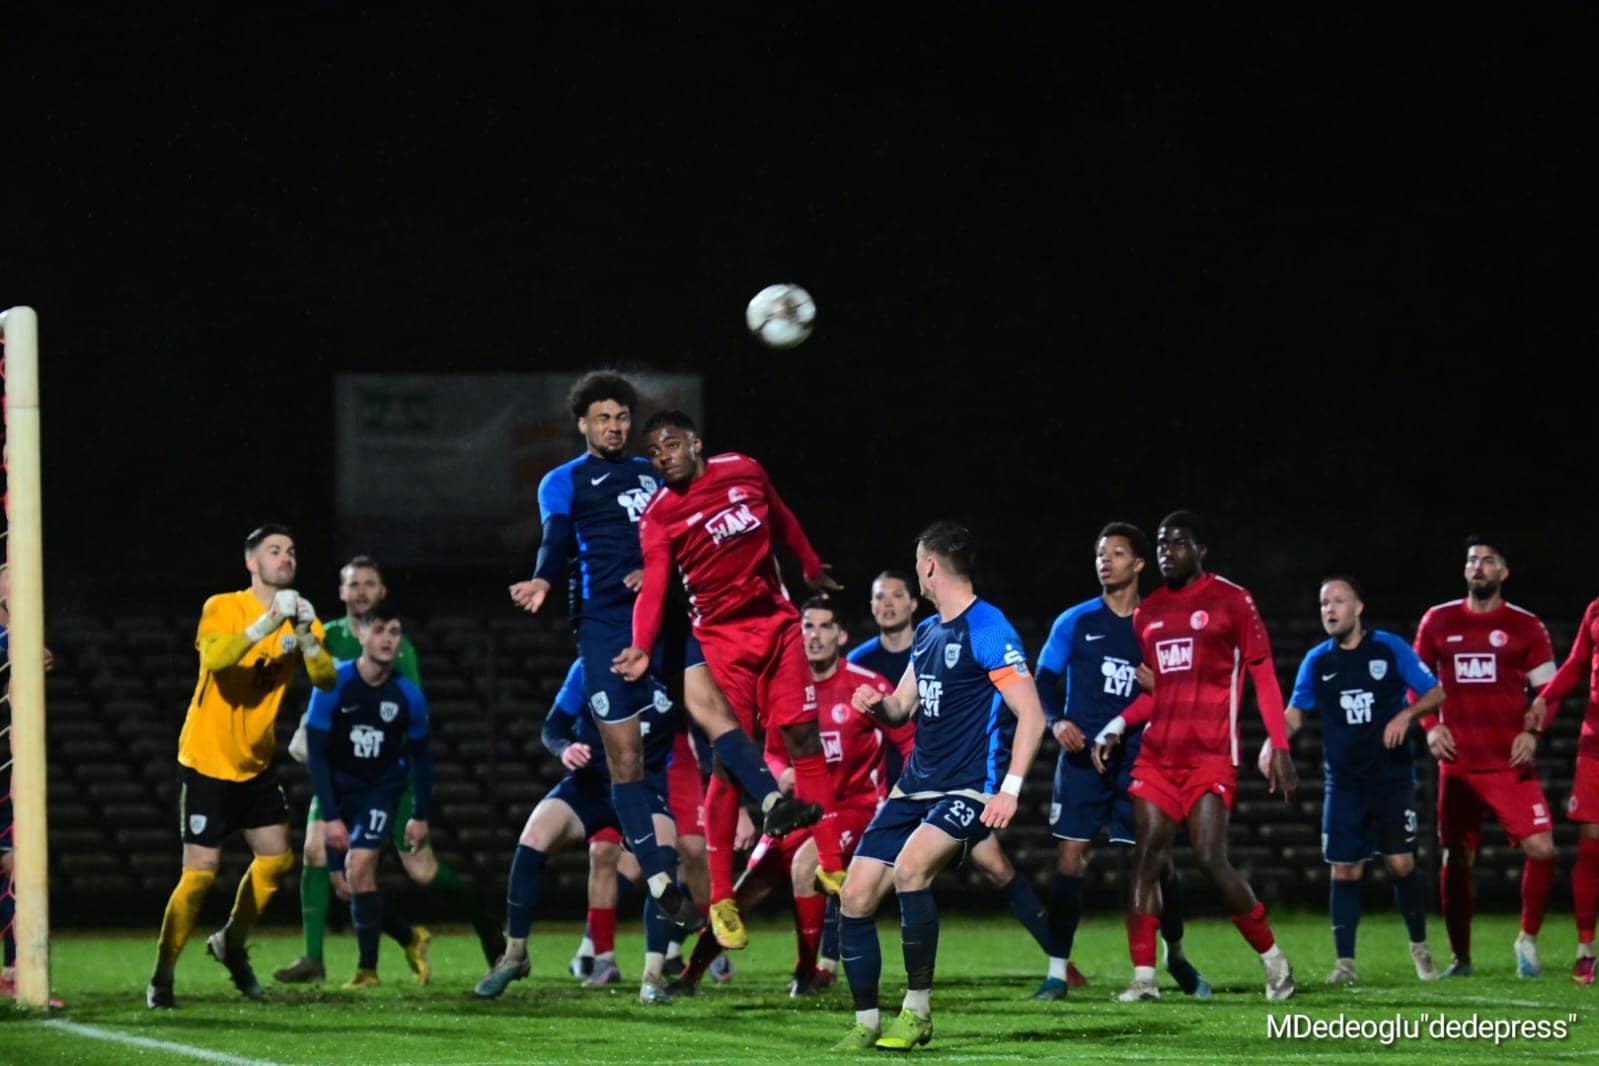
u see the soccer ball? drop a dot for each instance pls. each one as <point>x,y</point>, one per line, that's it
<point>781,316</point>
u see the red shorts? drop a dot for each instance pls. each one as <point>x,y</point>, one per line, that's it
<point>759,664</point>
<point>685,788</point>
<point>1175,789</point>
<point>1513,794</point>
<point>852,823</point>
<point>1583,806</point>
<point>606,836</point>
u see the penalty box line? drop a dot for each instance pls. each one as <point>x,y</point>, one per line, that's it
<point>94,1032</point>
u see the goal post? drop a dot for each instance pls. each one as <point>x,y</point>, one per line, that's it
<point>19,329</point>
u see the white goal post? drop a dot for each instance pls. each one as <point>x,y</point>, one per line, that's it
<point>19,328</point>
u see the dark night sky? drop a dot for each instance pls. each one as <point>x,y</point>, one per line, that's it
<point>1327,277</point>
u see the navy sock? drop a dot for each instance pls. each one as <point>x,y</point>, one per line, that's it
<point>1065,911</point>
<point>522,890</point>
<point>1345,906</point>
<point>831,932</point>
<point>1412,908</point>
<point>632,802</point>
<point>863,960</point>
<point>398,929</point>
<point>1031,913</point>
<point>1171,907</point>
<point>918,924</point>
<point>366,914</point>
<point>657,929</point>
<point>736,751</point>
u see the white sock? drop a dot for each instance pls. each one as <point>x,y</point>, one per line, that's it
<point>919,1001</point>
<point>653,962</point>
<point>1057,968</point>
<point>605,956</point>
<point>659,884</point>
<point>674,949</point>
<point>586,949</point>
<point>1273,952</point>
<point>1585,951</point>
<point>872,1019</point>
<point>1144,974</point>
<point>830,965</point>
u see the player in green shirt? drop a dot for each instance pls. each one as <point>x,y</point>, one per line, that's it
<point>360,589</point>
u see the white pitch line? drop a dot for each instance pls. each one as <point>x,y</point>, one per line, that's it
<point>96,1033</point>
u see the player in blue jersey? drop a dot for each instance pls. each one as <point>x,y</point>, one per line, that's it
<point>590,508</point>
<point>577,807</point>
<point>364,738</point>
<point>893,607</point>
<point>1087,675</point>
<point>977,729</point>
<point>1357,682</point>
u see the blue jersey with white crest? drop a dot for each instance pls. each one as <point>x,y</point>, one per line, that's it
<point>1356,692</point>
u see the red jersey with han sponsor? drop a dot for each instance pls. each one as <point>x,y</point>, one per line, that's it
<point>1581,660</point>
<point>853,743</point>
<point>1199,640</point>
<point>719,530</point>
<point>1482,658</point>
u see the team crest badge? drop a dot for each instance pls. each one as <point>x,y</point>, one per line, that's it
<point>1379,669</point>
<point>735,495</point>
<point>840,713</point>
<point>1199,619</point>
<point>600,704</point>
<point>388,710</point>
<point>196,824</point>
<point>1498,638</point>
<point>648,484</point>
<point>663,702</point>
<point>952,655</point>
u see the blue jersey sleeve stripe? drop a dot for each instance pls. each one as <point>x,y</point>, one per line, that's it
<point>555,491</point>
<point>572,698</point>
<point>1418,678</point>
<point>1304,696</point>
<point>420,724</point>
<point>994,639</point>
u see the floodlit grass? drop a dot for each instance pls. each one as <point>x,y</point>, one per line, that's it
<point>987,968</point>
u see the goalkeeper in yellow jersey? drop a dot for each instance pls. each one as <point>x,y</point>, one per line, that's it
<point>249,642</point>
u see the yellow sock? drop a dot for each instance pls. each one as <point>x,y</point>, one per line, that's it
<point>256,887</point>
<point>183,911</point>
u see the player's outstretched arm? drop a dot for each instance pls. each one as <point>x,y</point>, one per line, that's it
<point>892,709</point>
<point>1021,696</point>
<point>1393,733</point>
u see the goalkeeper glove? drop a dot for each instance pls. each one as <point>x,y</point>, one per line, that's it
<point>304,615</point>
<point>283,607</point>
<point>299,750</point>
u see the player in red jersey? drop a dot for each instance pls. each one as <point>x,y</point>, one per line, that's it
<point>1583,806</point>
<point>1486,652</point>
<point>855,748</point>
<point>717,520</point>
<point>1196,631</point>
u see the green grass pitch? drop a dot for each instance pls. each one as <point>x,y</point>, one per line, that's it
<point>986,969</point>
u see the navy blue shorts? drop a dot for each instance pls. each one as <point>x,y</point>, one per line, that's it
<point>589,796</point>
<point>1086,801</point>
<point>1361,820</point>
<point>369,813</point>
<point>610,698</point>
<point>897,819</point>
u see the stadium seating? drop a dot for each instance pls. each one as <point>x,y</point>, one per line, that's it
<point>114,717</point>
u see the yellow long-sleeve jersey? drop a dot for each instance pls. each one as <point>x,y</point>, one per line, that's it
<point>230,729</point>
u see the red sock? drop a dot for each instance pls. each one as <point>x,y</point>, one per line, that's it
<point>1454,890</point>
<point>602,929</point>
<point>1141,930</point>
<point>721,824</point>
<point>1536,877</point>
<point>1255,928</point>
<point>1585,888</point>
<point>809,912</point>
